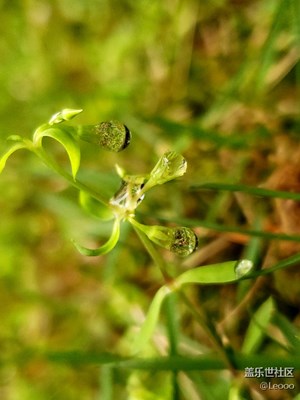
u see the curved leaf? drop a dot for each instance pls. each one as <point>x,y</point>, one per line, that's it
<point>151,319</point>
<point>65,138</point>
<point>106,248</point>
<point>9,152</point>
<point>257,327</point>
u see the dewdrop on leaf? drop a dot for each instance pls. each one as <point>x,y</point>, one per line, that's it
<point>110,135</point>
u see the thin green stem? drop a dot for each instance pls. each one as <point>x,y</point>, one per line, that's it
<point>157,258</point>
<point>50,162</point>
<point>173,330</point>
<point>106,381</point>
<point>237,187</point>
<point>210,331</point>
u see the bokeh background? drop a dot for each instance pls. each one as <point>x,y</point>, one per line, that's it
<point>219,82</point>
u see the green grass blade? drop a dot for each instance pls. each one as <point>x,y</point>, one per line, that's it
<point>255,191</point>
<point>205,362</point>
<point>288,262</point>
<point>106,380</point>
<point>232,229</point>
<point>148,326</point>
<point>291,333</point>
<point>257,327</point>
<point>269,48</point>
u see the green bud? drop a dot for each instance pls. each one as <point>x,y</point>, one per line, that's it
<point>111,135</point>
<point>65,115</point>
<point>170,166</point>
<point>181,240</point>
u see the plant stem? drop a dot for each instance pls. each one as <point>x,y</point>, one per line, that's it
<point>77,184</point>
<point>152,251</point>
<point>173,330</point>
<point>172,321</point>
<point>210,331</point>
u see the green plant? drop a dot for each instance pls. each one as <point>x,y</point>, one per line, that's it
<point>182,241</point>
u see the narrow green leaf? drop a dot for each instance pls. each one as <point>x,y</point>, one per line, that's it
<point>229,228</point>
<point>203,362</point>
<point>291,333</point>
<point>9,152</point>
<point>64,137</point>
<point>106,248</point>
<point>150,322</point>
<point>256,330</point>
<point>215,274</point>
<point>255,191</point>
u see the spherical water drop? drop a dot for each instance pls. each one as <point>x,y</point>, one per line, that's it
<point>110,135</point>
<point>184,241</point>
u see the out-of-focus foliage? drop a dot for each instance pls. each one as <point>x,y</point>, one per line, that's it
<point>218,81</point>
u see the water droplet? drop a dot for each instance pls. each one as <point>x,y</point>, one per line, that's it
<point>129,195</point>
<point>170,166</point>
<point>184,241</point>
<point>115,136</point>
<point>243,267</point>
<point>110,135</point>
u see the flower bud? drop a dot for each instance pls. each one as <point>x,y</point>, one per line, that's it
<point>170,166</point>
<point>181,240</point>
<point>110,135</point>
<point>64,115</point>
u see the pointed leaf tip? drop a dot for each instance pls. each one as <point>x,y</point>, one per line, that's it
<point>64,115</point>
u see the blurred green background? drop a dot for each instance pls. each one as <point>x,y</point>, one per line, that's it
<point>217,80</point>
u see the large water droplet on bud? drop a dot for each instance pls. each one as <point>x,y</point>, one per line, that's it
<point>170,166</point>
<point>181,241</point>
<point>110,135</point>
<point>184,241</point>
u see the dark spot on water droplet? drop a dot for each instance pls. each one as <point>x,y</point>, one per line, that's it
<point>127,138</point>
